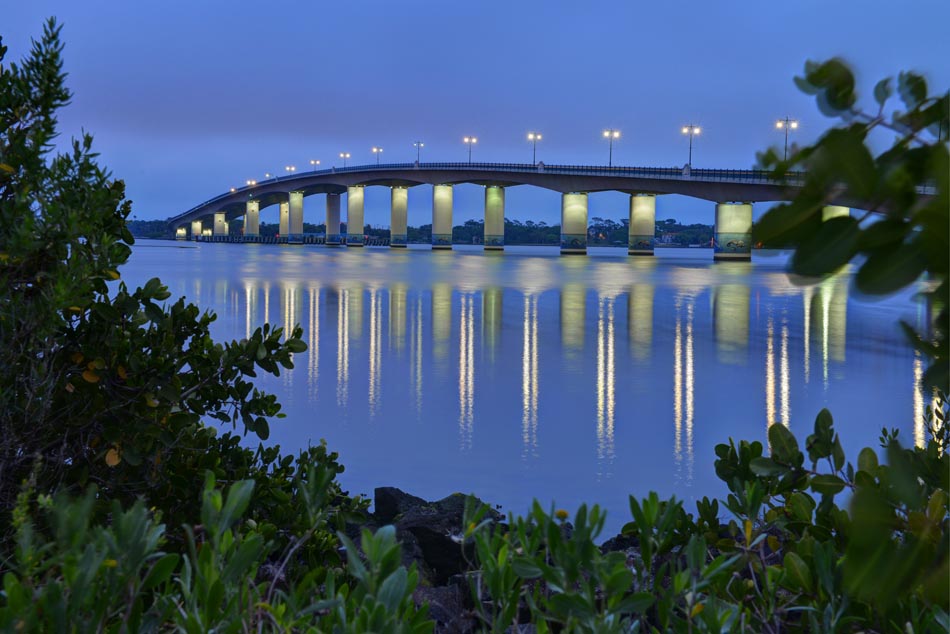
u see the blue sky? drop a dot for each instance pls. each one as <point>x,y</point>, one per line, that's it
<point>186,99</point>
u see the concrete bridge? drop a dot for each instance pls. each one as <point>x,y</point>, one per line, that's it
<point>732,191</point>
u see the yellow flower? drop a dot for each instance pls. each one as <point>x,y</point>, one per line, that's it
<point>110,563</point>
<point>561,514</point>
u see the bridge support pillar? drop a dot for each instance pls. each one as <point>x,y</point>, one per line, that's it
<point>283,228</point>
<point>252,219</point>
<point>494,218</point>
<point>295,233</point>
<point>442,217</point>
<point>733,232</point>
<point>642,227</point>
<point>196,229</point>
<point>220,225</point>
<point>354,216</point>
<point>834,211</point>
<point>398,214</point>
<point>181,233</point>
<point>574,223</point>
<point>333,220</point>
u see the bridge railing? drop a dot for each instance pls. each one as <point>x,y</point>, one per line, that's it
<point>661,173</point>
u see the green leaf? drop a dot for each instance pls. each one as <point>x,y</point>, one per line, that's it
<point>883,91</point>
<point>526,568</point>
<point>161,571</point>
<point>912,89</point>
<point>783,443</point>
<point>393,590</point>
<point>296,345</point>
<point>766,467</point>
<point>797,574</point>
<point>239,496</point>
<point>827,484</point>
<point>889,271</point>
<point>867,460</point>
<point>828,249</point>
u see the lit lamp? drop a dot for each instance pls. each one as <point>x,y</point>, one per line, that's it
<point>534,137</point>
<point>377,151</point>
<point>785,124</point>
<point>344,156</point>
<point>469,141</point>
<point>690,130</point>
<point>418,145</point>
<point>290,168</point>
<point>314,163</point>
<point>610,135</point>
<point>250,182</point>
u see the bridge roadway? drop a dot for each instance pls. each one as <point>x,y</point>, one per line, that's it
<point>733,191</point>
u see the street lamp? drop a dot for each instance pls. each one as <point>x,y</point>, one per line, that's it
<point>418,145</point>
<point>690,130</point>
<point>469,141</point>
<point>268,175</point>
<point>377,151</point>
<point>786,123</point>
<point>314,163</point>
<point>534,137</point>
<point>290,168</point>
<point>344,156</point>
<point>250,182</point>
<point>610,135</point>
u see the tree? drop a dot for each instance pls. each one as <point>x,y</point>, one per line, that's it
<point>101,384</point>
<point>904,190</point>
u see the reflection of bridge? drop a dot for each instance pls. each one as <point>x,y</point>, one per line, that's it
<point>733,191</point>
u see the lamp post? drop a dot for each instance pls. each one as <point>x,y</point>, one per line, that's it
<point>290,169</point>
<point>469,141</point>
<point>534,137</point>
<point>610,135</point>
<point>314,163</point>
<point>268,175</point>
<point>786,123</point>
<point>418,145</point>
<point>377,151</point>
<point>250,182</point>
<point>344,156</point>
<point>690,130</point>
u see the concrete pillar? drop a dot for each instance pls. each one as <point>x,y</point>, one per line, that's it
<point>733,232</point>
<point>252,219</point>
<point>220,224</point>
<point>181,233</point>
<point>399,206</point>
<point>354,216</point>
<point>283,228</point>
<point>333,220</point>
<point>296,216</point>
<point>195,229</point>
<point>573,223</point>
<point>494,218</point>
<point>642,227</point>
<point>442,217</point>
<point>834,211</point>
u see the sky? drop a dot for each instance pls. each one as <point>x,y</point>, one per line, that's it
<point>186,99</point>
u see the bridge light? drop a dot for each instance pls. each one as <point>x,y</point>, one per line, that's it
<point>691,130</point>
<point>785,124</point>
<point>314,163</point>
<point>534,137</point>
<point>611,134</point>
<point>268,175</point>
<point>290,168</point>
<point>233,190</point>
<point>344,156</point>
<point>377,151</point>
<point>251,181</point>
<point>469,141</point>
<point>418,145</point>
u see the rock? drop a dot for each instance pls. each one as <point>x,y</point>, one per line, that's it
<point>390,502</point>
<point>619,542</point>
<point>447,607</point>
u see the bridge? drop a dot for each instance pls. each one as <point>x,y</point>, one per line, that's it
<point>732,191</point>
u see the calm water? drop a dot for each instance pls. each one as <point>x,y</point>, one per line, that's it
<point>570,379</point>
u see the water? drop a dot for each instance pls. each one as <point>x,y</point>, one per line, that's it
<point>525,374</point>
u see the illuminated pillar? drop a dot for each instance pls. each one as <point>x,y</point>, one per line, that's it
<point>181,233</point>
<point>642,227</point>
<point>252,218</point>
<point>195,229</point>
<point>491,316</point>
<point>283,227</point>
<point>834,211</point>
<point>398,214</point>
<point>574,223</point>
<point>494,217</point>
<point>354,216</point>
<point>733,232</point>
<point>220,224</point>
<point>295,229</point>
<point>442,217</point>
<point>333,220</point>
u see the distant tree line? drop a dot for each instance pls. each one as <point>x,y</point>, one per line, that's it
<point>599,232</point>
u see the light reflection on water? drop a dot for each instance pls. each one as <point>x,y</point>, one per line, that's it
<point>508,374</point>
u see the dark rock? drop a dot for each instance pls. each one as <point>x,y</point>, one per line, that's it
<point>619,542</point>
<point>390,502</point>
<point>447,607</point>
